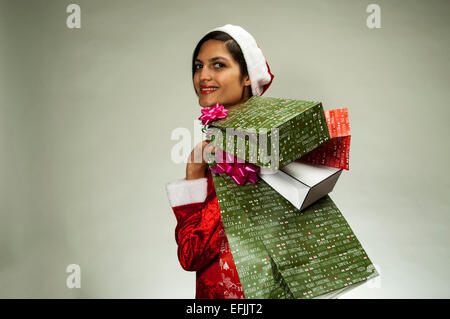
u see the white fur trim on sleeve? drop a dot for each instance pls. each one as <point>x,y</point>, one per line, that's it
<point>183,191</point>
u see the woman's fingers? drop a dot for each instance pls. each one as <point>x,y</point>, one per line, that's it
<point>208,151</point>
<point>201,152</point>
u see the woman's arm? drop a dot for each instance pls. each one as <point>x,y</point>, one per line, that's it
<point>197,167</point>
<point>195,206</point>
<point>198,236</point>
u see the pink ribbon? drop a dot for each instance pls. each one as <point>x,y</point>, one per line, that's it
<point>213,113</point>
<point>239,172</point>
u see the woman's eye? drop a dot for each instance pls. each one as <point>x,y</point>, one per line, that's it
<point>217,65</point>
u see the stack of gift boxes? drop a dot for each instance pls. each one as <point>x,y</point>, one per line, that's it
<point>287,237</point>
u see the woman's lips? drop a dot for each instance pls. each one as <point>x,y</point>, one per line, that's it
<point>208,90</point>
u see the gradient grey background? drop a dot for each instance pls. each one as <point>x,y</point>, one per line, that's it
<point>86,117</point>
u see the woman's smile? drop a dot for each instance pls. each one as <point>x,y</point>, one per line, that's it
<point>208,89</point>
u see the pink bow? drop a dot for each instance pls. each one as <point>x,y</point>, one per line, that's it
<point>239,172</point>
<point>213,113</point>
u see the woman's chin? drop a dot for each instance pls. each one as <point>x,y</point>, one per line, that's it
<point>206,103</point>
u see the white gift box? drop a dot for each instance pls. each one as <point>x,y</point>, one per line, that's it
<point>302,184</point>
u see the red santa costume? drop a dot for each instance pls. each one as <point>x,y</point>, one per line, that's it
<point>200,235</point>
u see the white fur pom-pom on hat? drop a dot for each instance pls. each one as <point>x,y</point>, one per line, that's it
<point>257,66</point>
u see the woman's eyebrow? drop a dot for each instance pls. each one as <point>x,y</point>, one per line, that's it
<point>213,59</point>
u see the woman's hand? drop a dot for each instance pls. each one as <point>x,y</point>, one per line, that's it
<point>197,166</point>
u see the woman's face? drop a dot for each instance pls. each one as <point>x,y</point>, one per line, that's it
<point>217,77</point>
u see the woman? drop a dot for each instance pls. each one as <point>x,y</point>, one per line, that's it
<point>228,67</point>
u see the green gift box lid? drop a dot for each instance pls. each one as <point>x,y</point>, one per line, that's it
<point>271,132</point>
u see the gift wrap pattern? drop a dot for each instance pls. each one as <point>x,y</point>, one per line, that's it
<point>281,252</point>
<point>297,126</point>
<point>336,151</point>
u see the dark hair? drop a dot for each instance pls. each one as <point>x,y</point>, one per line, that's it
<point>232,46</point>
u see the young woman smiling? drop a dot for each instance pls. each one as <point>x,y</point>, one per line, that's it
<point>228,68</point>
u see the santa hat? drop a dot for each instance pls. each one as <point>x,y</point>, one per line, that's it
<point>257,66</point>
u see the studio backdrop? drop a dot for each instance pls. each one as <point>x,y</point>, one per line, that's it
<point>92,91</point>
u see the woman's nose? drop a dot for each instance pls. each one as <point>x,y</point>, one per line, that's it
<point>205,74</point>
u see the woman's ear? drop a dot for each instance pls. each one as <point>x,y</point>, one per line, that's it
<point>247,81</point>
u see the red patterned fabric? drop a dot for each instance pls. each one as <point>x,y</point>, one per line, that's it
<point>203,247</point>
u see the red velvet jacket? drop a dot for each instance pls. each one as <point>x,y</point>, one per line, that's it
<point>202,243</point>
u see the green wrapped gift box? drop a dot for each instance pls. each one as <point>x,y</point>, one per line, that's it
<point>271,132</point>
